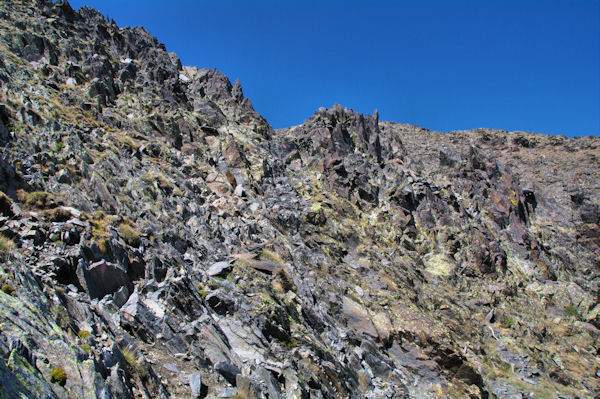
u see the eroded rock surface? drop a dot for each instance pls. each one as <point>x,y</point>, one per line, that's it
<point>160,239</point>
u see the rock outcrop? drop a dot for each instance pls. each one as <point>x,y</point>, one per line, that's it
<point>160,239</point>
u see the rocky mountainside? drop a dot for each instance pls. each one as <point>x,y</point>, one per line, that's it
<point>160,239</point>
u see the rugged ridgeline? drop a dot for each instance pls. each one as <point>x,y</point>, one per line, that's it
<point>160,239</point>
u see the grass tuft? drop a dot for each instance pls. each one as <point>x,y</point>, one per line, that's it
<point>271,256</point>
<point>134,367</point>
<point>58,375</point>
<point>84,334</point>
<point>57,215</point>
<point>286,281</point>
<point>571,311</point>
<point>131,236</point>
<point>36,199</point>
<point>8,290</point>
<point>86,348</point>
<point>6,245</point>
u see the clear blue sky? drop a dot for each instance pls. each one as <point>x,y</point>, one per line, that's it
<point>444,65</point>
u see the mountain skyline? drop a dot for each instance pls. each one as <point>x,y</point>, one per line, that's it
<point>528,66</point>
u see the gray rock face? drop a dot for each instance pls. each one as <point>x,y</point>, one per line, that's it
<point>4,133</point>
<point>219,268</point>
<point>103,278</point>
<point>220,302</point>
<point>159,239</point>
<point>195,382</point>
<point>228,371</point>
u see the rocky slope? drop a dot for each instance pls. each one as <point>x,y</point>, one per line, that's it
<point>160,239</point>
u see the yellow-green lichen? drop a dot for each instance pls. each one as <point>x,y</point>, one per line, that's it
<point>439,265</point>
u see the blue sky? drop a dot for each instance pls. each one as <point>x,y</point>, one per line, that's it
<point>444,65</point>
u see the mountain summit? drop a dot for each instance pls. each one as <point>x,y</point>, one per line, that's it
<point>159,239</point>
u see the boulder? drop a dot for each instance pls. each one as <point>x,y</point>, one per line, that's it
<point>219,269</point>
<point>228,371</point>
<point>220,302</point>
<point>195,381</point>
<point>103,278</point>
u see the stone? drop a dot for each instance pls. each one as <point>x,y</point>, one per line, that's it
<point>4,133</point>
<point>118,384</point>
<point>292,385</point>
<point>219,269</point>
<point>417,263</point>
<point>590,213</point>
<point>63,176</point>
<point>172,367</point>
<point>254,206</point>
<point>267,379</point>
<point>239,191</point>
<point>121,296</point>
<point>228,371</point>
<point>220,302</point>
<point>448,157</point>
<point>218,188</point>
<point>103,278</point>
<point>358,317</point>
<point>227,392</point>
<point>195,381</point>
<point>264,266</point>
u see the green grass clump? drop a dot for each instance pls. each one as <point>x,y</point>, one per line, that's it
<point>127,141</point>
<point>86,348</point>
<point>148,178</point>
<point>84,334</point>
<point>134,367</point>
<point>242,262</point>
<point>36,199</point>
<point>213,283</point>
<point>8,290</point>
<point>316,207</point>
<point>57,215</point>
<point>6,245</point>
<point>100,222</point>
<point>58,147</point>
<point>203,293</point>
<point>508,322</point>
<point>291,343</point>
<point>130,235</point>
<point>164,183</point>
<point>286,281</point>
<point>58,376</point>
<point>271,256</point>
<point>130,362</point>
<point>102,244</point>
<point>571,311</point>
